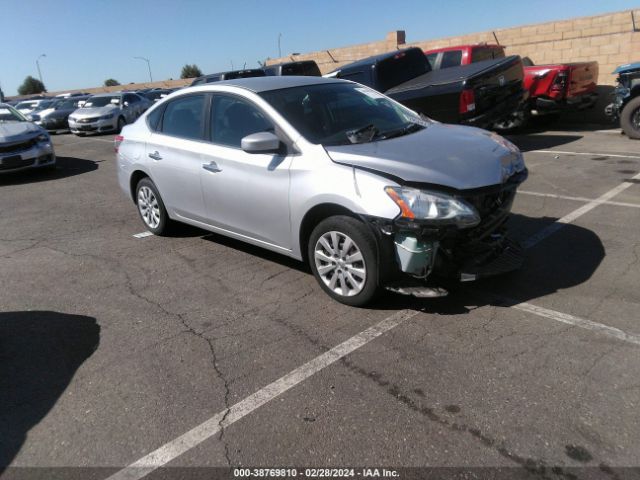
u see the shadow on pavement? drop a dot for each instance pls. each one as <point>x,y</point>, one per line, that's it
<point>65,167</point>
<point>40,352</point>
<point>526,143</point>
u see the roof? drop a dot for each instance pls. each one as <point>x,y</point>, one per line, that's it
<point>627,67</point>
<point>264,84</point>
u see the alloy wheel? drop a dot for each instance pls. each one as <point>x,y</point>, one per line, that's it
<point>340,263</point>
<point>149,207</point>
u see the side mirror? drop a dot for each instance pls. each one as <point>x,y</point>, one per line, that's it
<point>261,142</point>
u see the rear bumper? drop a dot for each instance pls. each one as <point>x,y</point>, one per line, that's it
<point>550,105</point>
<point>497,112</point>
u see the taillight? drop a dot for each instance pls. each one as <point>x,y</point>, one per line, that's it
<point>467,101</point>
<point>560,82</point>
<point>117,141</point>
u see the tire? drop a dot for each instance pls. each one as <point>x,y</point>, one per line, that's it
<point>151,207</point>
<point>121,124</point>
<point>630,118</point>
<point>513,122</point>
<point>352,282</point>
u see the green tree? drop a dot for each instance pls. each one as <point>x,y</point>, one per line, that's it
<point>30,86</point>
<point>111,82</point>
<point>190,71</point>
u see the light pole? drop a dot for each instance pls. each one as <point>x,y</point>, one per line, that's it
<point>279,49</point>
<point>148,66</point>
<point>38,65</point>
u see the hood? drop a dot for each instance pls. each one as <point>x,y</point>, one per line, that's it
<point>16,131</point>
<point>94,111</point>
<point>451,156</point>
<point>628,67</point>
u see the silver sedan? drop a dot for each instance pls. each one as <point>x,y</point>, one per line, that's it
<point>23,145</point>
<point>329,172</point>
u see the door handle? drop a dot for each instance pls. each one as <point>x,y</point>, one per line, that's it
<point>155,155</point>
<point>211,167</point>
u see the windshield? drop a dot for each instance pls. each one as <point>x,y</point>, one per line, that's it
<point>10,114</point>
<point>330,114</point>
<point>102,101</point>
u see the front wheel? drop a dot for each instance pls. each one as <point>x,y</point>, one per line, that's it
<point>343,257</point>
<point>630,118</point>
<point>121,124</point>
<point>151,207</point>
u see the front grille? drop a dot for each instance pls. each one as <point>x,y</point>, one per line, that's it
<point>17,147</point>
<point>494,208</point>
<point>88,120</point>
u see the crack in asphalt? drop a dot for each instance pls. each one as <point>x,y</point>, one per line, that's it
<point>188,328</point>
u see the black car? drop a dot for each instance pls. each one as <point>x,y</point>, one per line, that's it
<point>157,93</point>
<point>217,77</point>
<point>307,68</point>
<point>58,119</point>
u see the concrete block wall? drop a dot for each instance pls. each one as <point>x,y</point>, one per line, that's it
<point>610,39</point>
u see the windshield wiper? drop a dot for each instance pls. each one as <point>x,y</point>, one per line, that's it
<point>362,134</point>
<point>407,129</point>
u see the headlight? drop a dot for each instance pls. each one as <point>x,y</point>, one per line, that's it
<point>421,205</point>
<point>43,137</point>
<point>72,119</point>
<point>106,117</point>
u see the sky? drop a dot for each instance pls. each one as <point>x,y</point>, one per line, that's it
<point>88,41</point>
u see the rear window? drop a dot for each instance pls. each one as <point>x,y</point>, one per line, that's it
<point>452,58</point>
<point>431,58</point>
<point>401,68</point>
<point>486,53</point>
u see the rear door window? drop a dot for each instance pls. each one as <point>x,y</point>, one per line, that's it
<point>432,58</point>
<point>452,58</point>
<point>183,117</point>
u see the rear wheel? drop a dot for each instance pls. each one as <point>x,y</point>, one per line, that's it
<point>343,258</point>
<point>151,207</point>
<point>514,121</point>
<point>630,118</point>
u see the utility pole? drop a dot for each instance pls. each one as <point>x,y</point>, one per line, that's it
<point>38,65</point>
<point>148,66</point>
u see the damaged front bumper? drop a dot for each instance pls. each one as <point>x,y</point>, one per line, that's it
<point>419,257</point>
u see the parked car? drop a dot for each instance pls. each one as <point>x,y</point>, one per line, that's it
<point>217,77</point>
<point>626,99</point>
<point>157,93</point>
<point>302,67</point>
<point>71,94</point>
<point>27,106</point>
<point>58,118</point>
<point>23,145</point>
<point>331,172</point>
<point>479,94</point>
<point>107,112</point>
<point>552,88</point>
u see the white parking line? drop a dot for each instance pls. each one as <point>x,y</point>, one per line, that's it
<point>577,199</point>
<point>616,155</point>
<point>578,322</point>
<point>572,216</point>
<point>142,234</point>
<point>225,418</point>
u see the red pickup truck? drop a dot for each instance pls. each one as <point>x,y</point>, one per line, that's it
<point>552,88</point>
